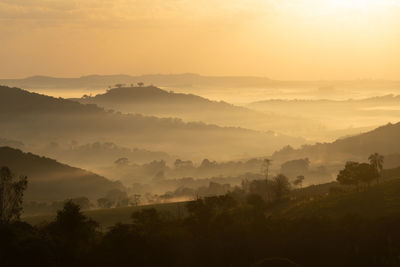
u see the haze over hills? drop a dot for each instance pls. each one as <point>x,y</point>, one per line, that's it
<point>97,154</point>
<point>363,112</point>
<point>384,140</point>
<point>151,100</point>
<point>36,118</point>
<point>49,180</point>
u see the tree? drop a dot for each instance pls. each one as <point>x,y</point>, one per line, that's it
<point>140,84</point>
<point>122,162</point>
<point>348,176</point>
<point>11,195</point>
<point>355,173</point>
<point>119,85</point>
<point>366,173</point>
<point>265,167</point>
<point>294,167</point>
<point>82,202</point>
<point>299,181</point>
<point>280,186</point>
<point>73,231</point>
<point>376,160</point>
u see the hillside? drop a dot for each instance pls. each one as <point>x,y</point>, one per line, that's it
<point>49,180</point>
<point>151,100</point>
<point>384,140</point>
<point>377,202</point>
<point>35,118</point>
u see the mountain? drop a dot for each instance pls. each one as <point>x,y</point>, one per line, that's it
<point>180,80</point>
<point>40,119</point>
<point>151,100</point>
<point>384,140</point>
<point>49,180</point>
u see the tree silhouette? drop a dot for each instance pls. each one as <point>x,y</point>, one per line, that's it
<point>280,186</point>
<point>355,173</point>
<point>265,167</point>
<point>376,160</point>
<point>72,228</point>
<point>11,194</point>
<point>299,181</point>
<point>348,176</point>
<point>366,173</point>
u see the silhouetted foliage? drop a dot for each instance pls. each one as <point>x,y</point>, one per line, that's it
<point>280,186</point>
<point>376,160</point>
<point>355,173</point>
<point>11,193</point>
<point>299,180</point>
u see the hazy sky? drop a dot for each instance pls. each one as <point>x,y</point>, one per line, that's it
<point>281,39</point>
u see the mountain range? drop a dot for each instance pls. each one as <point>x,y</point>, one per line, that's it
<point>186,80</point>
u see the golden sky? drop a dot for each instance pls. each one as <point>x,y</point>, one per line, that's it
<point>280,39</point>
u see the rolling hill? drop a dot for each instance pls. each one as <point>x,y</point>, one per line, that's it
<point>49,180</point>
<point>384,140</point>
<point>151,100</point>
<point>37,119</point>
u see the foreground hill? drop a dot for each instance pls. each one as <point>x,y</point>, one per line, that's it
<point>151,100</point>
<point>384,140</point>
<point>49,180</point>
<point>36,118</point>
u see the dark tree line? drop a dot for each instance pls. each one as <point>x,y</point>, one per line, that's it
<point>217,231</point>
<point>355,173</point>
<point>236,229</point>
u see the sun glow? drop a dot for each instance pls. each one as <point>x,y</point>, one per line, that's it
<point>357,7</point>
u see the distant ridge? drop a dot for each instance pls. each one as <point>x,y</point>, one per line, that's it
<point>171,80</point>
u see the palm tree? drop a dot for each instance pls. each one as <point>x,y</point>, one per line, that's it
<point>376,161</point>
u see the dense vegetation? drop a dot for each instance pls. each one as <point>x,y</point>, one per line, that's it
<point>246,227</point>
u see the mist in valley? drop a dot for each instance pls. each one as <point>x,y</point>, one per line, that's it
<point>200,133</point>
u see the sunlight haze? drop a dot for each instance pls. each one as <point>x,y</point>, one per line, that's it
<point>287,39</point>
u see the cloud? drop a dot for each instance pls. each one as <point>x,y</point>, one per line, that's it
<point>124,13</point>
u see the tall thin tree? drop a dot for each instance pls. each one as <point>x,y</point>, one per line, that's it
<point>377,160</point>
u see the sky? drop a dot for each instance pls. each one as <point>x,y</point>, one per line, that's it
<point>279,39</point>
